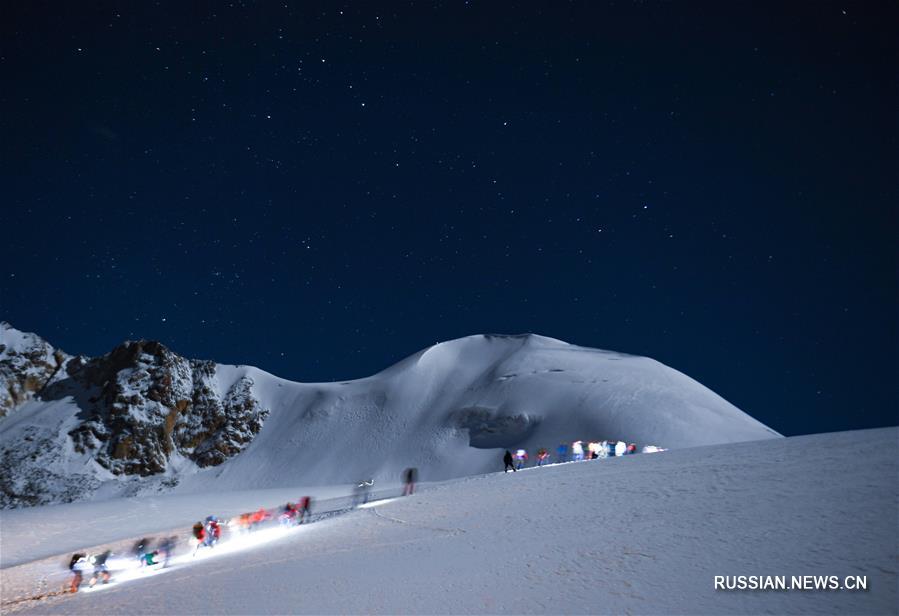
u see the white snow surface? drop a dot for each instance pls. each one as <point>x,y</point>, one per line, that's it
<point>446,410</point>
<point>642,534</point>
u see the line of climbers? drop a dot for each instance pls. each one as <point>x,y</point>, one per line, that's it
<point>575,452</point>
<point>208,533</point>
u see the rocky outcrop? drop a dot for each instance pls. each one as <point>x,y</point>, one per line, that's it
<point>227,428</point>
<point>142,407</point>
<point>27,365</point>
<point>30,473</point>
<point>151,404</point>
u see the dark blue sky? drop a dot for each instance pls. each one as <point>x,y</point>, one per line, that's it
<point>321,190</point>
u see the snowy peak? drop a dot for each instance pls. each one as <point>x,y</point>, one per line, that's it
<point>526,338</point>
<point>476,350</point>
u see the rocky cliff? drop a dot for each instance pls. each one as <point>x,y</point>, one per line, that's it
<point>142,407</point>
<point>27,365</point>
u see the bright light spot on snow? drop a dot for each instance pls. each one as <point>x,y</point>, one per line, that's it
<point>125,570</point>
<point>376,503</point>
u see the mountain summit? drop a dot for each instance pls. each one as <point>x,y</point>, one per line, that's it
<point>144,419</point>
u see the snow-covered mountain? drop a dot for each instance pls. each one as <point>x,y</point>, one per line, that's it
<point>144,419</point>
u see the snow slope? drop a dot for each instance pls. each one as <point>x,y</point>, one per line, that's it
<point>642,534</point>
<point>448,409</point>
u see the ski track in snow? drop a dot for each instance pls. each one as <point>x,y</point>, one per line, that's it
<point>408,523</point>
<point>640,534</point>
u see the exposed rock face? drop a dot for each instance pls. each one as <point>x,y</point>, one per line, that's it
<point>30,474</point>
<point>27,365</point>
<point>227,427</point>
<point>143,407</point>
<point>151,404</point>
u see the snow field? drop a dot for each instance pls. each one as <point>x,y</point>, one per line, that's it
<point>639,534</point>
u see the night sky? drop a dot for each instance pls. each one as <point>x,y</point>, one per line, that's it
<point>322,190</point>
